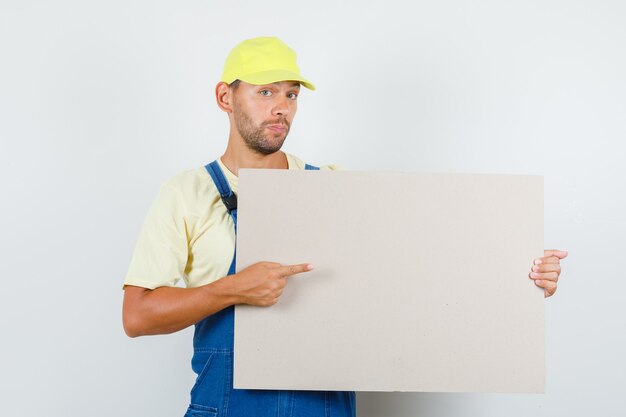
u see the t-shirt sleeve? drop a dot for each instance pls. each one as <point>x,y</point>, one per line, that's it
<point>161,253</point>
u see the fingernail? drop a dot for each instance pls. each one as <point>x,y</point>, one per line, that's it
<point>535,269</point>
<point>538,282</point>
<point>537,261</point>
<point>309,266</point>
<point>534,275</point>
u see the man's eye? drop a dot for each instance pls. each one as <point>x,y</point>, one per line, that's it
<point>293,96</point>
<point>265,93</point>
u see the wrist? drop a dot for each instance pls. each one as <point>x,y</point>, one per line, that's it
<point>224,290</point>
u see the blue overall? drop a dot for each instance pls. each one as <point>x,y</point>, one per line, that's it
<point>213,394</point>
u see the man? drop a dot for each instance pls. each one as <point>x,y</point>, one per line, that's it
<point>189,234</point>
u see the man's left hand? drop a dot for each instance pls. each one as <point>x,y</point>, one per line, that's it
<point>545,271</point>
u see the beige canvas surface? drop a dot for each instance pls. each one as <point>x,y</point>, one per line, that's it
<point>420,282</point>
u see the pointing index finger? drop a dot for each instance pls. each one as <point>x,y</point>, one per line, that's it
<point>288,270</point>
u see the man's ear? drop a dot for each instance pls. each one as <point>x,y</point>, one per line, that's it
<point>224,97</point>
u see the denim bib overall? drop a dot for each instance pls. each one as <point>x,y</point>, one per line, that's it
<point>213,394</point>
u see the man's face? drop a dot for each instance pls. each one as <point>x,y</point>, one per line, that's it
<point>263,113</point>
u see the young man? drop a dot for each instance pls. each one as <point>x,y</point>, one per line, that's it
<point>189,234</point>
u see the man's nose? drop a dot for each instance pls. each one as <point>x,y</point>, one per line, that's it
<point>281,107</point>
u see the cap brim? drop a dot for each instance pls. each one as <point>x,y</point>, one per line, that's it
<point>268,77</point>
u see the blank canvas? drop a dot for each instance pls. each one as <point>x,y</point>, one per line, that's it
<point>420,282</point>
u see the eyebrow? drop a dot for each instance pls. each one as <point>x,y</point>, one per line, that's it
<point>293,85</point>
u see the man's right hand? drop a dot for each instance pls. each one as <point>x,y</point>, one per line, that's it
<point>262,283</point>
<point>169,309</point>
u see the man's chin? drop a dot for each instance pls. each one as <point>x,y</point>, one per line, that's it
<point>267,145</point>
<point>268,150</point>
<point>275,145</point>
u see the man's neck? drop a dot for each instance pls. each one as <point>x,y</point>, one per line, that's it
<point>236,159</point>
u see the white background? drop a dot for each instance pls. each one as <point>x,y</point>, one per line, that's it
<point>100,102</point>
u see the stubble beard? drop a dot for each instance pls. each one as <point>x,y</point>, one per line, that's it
<point>255,137</point>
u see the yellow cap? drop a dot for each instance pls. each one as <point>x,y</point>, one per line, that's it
<point>262,60</point>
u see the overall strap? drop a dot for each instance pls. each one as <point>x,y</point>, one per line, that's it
<point>228,197</point>
<point>310,167</point>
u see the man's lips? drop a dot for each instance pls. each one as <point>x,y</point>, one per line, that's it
<point>277,127</point>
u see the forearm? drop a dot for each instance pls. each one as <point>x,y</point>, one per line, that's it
<point>169,309</point>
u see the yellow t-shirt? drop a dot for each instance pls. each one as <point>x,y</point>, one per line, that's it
<point>188,234</point>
